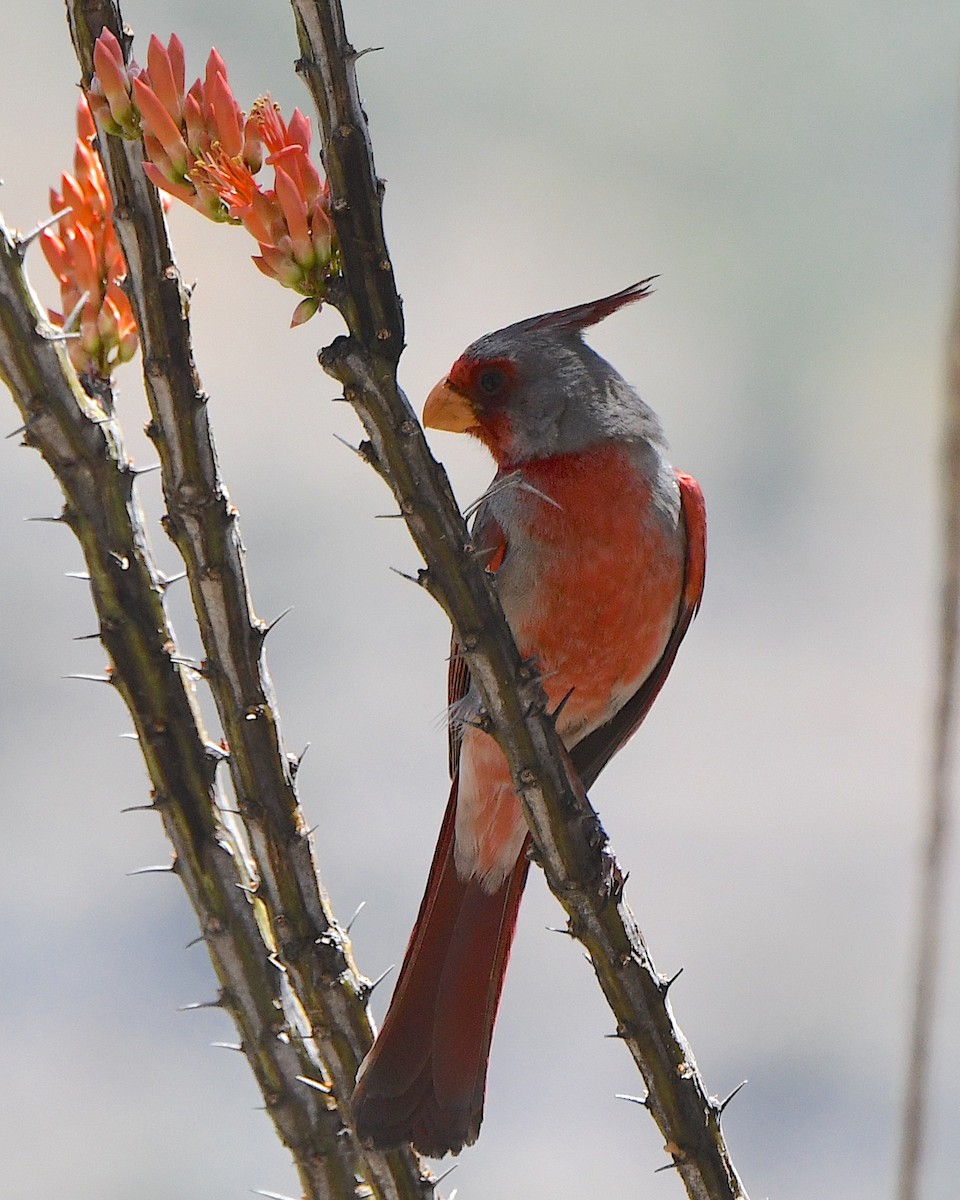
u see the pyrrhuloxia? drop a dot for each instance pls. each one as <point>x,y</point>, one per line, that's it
<point>598,549</point>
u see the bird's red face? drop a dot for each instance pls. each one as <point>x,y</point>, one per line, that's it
<point>475,398</point>
<point>534,389</point>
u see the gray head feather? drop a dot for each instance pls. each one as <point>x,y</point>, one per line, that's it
<point>566,396</point>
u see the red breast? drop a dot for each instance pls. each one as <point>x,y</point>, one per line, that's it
<point>607,565</point>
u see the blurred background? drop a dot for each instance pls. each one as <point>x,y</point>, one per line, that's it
<point>790,172</point>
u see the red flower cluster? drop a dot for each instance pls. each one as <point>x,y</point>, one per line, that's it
<point>84,254</point>
<point>204,150</point>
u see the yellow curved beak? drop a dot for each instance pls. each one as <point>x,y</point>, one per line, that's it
<point>448,409</point>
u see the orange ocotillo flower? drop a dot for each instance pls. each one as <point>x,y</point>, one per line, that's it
<point>84,254</point>
<point>202,149</point>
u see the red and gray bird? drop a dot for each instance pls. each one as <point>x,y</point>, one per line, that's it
<point>597,546</point>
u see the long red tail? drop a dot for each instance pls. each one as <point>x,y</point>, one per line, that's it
<point>424,1079</point>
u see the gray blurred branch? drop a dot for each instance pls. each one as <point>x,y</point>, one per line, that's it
<point>936,839</point>
<point>569,840</point>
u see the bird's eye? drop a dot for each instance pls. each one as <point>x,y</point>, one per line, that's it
<point>491,382</point>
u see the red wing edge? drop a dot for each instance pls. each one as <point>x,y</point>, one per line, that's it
<point>592,754</point>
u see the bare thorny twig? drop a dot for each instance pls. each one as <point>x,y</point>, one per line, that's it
<point>286,971</point>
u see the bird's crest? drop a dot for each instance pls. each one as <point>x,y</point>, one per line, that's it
<point>583,315</point>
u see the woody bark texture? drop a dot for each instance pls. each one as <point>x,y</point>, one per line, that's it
<point>570,843</point>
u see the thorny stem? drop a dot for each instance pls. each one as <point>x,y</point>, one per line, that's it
<point>569,840</point>
<point>84,450</point>
<point>324,997</point>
